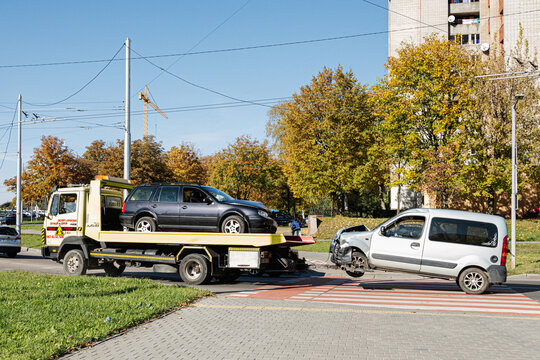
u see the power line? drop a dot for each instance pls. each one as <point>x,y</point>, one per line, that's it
<point>204,38</point>
<point>9,137</point>
<point>84,86</point>
<point>408,17</point>
<point>254,47</point>
<point>196,85</point>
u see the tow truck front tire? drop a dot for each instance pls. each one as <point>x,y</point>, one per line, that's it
<point>194,269</point>
<point>113,269</point>
<point>74,263</point>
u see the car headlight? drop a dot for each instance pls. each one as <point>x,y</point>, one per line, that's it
<point>263,214</point>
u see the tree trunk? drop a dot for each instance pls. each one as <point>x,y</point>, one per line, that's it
<point>444,199</point>
<point>491,202</point>
<point>399,198</point>
<point>381,197</point>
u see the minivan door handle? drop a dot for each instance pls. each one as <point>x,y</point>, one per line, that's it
<point>415,245</point>
<point>154,206</point>
<point>184,207</point>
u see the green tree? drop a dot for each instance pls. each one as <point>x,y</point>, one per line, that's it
<point>52,164</point>
<point>323,135</point>
<point>247,170</point>
<point>423,102</point>
<point>489,130</point>
<point>185,165</point>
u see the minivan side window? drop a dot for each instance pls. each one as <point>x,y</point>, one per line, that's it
<point>408,227</point>
<point>142,194</point>
<point>463,232</point>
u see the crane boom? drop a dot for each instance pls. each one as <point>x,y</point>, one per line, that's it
<point>147,101</point>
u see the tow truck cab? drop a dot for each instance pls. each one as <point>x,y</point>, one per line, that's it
<point>82,230</point>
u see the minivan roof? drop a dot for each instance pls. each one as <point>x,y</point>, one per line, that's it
<point>469,215</point>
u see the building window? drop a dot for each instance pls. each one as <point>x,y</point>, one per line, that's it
<point>461,1</point>
<point>464,39</point>
<point>475,38</point>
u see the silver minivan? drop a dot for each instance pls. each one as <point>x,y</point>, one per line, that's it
<point>466,246</point>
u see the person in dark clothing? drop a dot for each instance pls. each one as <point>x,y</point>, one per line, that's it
<point>295,227</point>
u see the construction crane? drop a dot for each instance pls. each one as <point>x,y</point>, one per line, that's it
<point>147,101</point>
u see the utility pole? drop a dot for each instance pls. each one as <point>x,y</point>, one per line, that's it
<point>19,170</point>
<point>127,134</point>
<point>514,199</point>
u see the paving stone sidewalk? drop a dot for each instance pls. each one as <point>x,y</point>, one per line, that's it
<point>227,328</point>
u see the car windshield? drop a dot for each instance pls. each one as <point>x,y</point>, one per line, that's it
<point>218,194</point>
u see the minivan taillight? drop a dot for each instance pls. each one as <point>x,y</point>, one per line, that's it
<point>504,251</point>
<point>18,238</point>
<point>124,207</point>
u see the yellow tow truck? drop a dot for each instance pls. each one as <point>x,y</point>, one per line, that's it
<point>82,230</point>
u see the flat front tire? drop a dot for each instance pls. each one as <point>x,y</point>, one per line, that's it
<point>145,224</point>
<point>473,281</point>
<point>75,263</point>
<point>194,269</point>
<point>358,260</point>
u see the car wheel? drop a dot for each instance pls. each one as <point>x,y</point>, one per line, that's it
<point>255,272</point>
<point>145,224</point>
<point>74,262</point>
<point>473,281</point>
<point>113,268</point>
<point>11,254</point>
<point>358,259</point>
<point>194,269</point>
<point>233,225</point>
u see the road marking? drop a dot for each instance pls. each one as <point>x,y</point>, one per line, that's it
<point>360,311</point>
<point>431,295</point>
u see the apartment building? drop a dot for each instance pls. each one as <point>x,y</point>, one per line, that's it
<point>478,24</point>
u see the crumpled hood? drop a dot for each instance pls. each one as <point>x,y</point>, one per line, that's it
<point>358,230</point>
<point>253,204</point>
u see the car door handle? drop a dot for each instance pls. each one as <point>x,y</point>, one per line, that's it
<point>415,245</point>
<point>184,207</point>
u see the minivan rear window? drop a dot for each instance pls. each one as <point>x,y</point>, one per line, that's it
<point>142,194</point>
<point>463,232</point>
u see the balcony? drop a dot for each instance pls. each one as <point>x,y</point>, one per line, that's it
<point>465,8</point>
<point>465,29</point>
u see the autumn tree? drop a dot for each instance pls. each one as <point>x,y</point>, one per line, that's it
<point>489,169</point>
<point>185,164</point>
<point>246,170</point>
<point>423,101</point>
<point>52,164</point>
<point>323,135</point>
<point>147,160</point>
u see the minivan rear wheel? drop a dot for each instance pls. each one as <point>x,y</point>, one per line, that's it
<point>473,281</point>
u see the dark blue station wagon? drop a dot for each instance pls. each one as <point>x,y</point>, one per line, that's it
<point>193,207</point>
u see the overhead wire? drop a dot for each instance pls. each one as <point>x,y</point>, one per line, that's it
<point>83,87</point>
<point>243,48</point>
<point>204,38</point>
<point>9,137</point>
<point>196,85</point>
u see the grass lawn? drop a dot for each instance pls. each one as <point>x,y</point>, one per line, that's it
<point>32,226</point>
<point>31,240</point>
<point>44,316</point>
<point>527,259</point>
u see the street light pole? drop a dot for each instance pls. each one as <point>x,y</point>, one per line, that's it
<point>514,198</point>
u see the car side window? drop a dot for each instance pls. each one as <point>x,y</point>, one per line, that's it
<point>408,227</point>
<point>463,232</point>
<point>168,194</point>
<point>192,195</point>
<point>142,193</point>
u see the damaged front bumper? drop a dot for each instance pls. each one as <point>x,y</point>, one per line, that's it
<point>340,254</point>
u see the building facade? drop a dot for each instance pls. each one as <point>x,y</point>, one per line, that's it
<point>478,24</point>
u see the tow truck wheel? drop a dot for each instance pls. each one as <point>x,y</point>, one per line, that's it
<point>233,225</point>
<point>74,263</point>
<point>113,268</point>
<point>358,259</point>
<point>194,269</point>
<point>145,224</point>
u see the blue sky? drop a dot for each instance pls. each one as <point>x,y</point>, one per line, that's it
<point>63,31</point>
